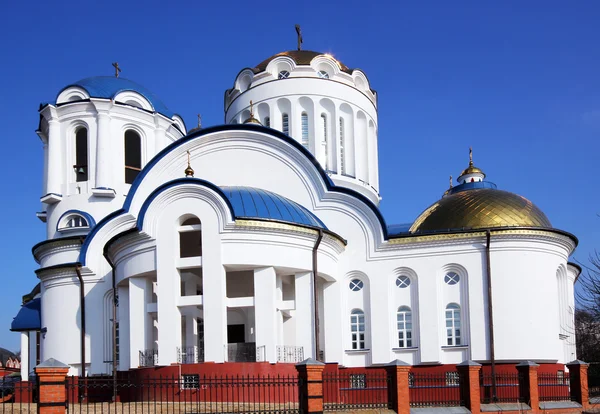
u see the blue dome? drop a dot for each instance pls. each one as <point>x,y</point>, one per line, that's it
<point>248,202</point>
<point>108,87</point>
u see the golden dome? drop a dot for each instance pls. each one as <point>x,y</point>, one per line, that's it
<point>472,170</point>
<point>480,208</point>
<point>252,120</point>
<point>301,57</point>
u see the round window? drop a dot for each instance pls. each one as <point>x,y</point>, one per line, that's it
<point>356,285</point>
<point>452,278</point>
<point>322,74</point>
<point>403,282</point>
<point>283,74</point>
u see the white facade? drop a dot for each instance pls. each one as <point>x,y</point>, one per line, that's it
<point>197,272</point>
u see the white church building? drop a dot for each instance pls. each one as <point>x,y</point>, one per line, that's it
<point>262,240</point>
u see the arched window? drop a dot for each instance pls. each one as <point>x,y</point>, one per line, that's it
<point>267,121</point>
<point>81,155</point>
<point>190,238</point>
<point>133,155</point>
<point>357,328</point>
<point>324,141</point>
<point>304,119</point>
<point>404,317</point>
<point>285,121</point>
<point>342,155</point>
<point>453,333</point>
<point>76,221</point>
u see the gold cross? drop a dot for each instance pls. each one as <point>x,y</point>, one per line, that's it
<point>251,110</point>
<point>117,69</point>
<point>471,155</point>
<point>299,33</point>
<point>199,120</point>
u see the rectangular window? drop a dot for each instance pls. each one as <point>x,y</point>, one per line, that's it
<point>285,121</point>
<point>133,155</point>
<point>453,333</point>
<point>358,381</point>
<point>190,381</point>
<point>342,155</point>
<point>324,142</point>
<point>81,155</point>
<point>304,119</point>
<point>452,378</point>
<point>404,320</point>
<point>357,327</point>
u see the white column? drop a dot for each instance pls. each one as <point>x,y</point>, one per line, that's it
<point>103,153</point>
<point>265,311</point>
<point>55,162</point>
<point>160,142</point>
<point>24,356</point>
<point>140,323</point>
<point>304,315</point>
<point>214,305</point>
<point>333,328</point>
<point>125,361</point>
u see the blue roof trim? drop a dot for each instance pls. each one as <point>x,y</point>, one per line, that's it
<point>87,216</point>
<point>250,127</point>
<point>472,186</point>
<point>96,229</point>
<point>108,87</point>
<point>28,318</point>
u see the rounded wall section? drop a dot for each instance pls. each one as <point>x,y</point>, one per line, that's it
<point>336,122</point>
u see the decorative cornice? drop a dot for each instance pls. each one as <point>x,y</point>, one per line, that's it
<point>48,247</point>
<point>561,238</point>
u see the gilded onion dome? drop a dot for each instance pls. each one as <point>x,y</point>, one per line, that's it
<point>479,205</point>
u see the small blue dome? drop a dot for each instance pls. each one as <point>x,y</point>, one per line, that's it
<point>108,87</point>
<point>248,202</point>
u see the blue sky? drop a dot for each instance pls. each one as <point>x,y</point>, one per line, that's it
<point>518,81</point>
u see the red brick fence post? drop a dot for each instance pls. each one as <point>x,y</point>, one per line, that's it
<point>469,385</point>
<point>578,376</point>
<point>398,390</point>
<point>52,398</point>
<point>529,374</point>
<point>311,386</point>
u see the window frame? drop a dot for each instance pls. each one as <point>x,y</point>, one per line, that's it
<point>358,335</point>
<point>81,155</point>
<point>304,125</point>
<point>453,319</point>
<point>285,124</point>
<point>405,333</point>
<point>323,74</point>
<point>128,165</point>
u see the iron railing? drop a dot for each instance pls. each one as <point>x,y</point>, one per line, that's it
<point>188,393</point>
<point>509,388</point>
<point>190,355</point>
<point>359,391</point>
<point>18,396</point>
<point>148,358</point>
<point>554,386</point>
<point>435,390</point>
<point>245,352</point>
<point>290,353</point>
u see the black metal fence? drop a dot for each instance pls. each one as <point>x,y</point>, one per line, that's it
<point>188,393</point>
<point>361,391</point>
<point>435,390</point>
<point>554,387</point>
<point>190,355</point>
<point>18,396</point>
<point>289,353</point>
<point>509,388</point>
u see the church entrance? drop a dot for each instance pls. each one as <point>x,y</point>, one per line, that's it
<point>236,334</point>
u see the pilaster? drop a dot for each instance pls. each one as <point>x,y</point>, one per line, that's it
<point>265,311</point>
<point>305,327</point>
